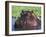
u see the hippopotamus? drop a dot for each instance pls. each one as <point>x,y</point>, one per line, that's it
<point>27,21</point>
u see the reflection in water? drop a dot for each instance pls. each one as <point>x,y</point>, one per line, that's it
<point>13,22</point>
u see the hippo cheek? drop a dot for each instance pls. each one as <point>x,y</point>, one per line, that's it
<point>34,23</point>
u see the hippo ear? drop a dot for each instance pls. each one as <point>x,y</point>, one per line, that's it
<point>22,12</point>
<point>32,11</point>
